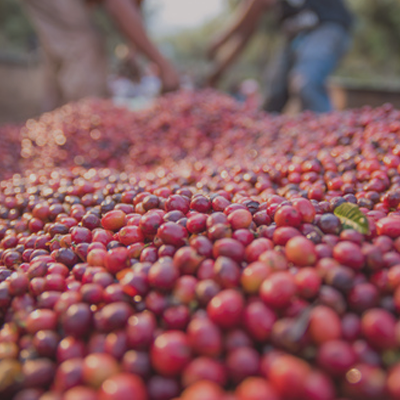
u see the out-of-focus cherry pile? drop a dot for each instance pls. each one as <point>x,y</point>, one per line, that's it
<point>94,133</point>
<point>191,251</point>
<point>10,150</point>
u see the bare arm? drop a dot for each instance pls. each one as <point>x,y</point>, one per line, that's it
<point>234,48</point>
<point>232,42</point>
<point>126,14</point>
<point>243,23</point>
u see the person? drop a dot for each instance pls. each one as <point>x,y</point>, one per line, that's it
<point>250,94</point>
<point>74,52</point>
<point>317,35</point>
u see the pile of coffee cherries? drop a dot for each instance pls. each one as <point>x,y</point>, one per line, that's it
<point>192,251</point>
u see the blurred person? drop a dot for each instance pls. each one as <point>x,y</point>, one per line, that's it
<point>121,86</point>
<point>74,52</point>
<point>150,84</point>
<point>250,90</point>
<point>124,83</point>
<point>235,92</point>
<point>316,37</point>
<point>188,82</point>
<point>129,63</point>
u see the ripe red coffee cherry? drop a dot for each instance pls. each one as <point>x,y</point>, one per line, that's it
<point>253,276</point>
<point>287,216</point>
<point>255,388</point>
<point>225,309</point>
<point>378,327</point>
<point>242,362</point>
<point>258,320</point>
<point>98,367</point>
<point>274,259</point>
<point>123,386</point>
<point>318,386</point>
<point>172,233</point>
<point>204,337</point>
<point>203,390</point>
<point>77,320</point>
<point>324,325</point>
<point>393,382</point>
<point>41,319</point>
<point>351,327</point>
<point>96,257</point>
<point>240,219</point>
<point>301,251</point>
<point>278,290</point>
<point>69,374</point>
<point>70,347</point>
<point>256,248</point>
<point>349,253</point>
<point>228,247</point>
<point>177,202</point>
<point>114,316</point>
<point>226,272</point>
<point>140,330</point>
<point>305,208</point>
<point>204,368</point>
<point>150,222</point>
<point>160,387</point>
<point>244,236</point>
<point>336,357</point>
<point>19,283</point>
<point>187,260</point>
<point>288,374</point>
<point>163,274</point>
<point>308,282</point>
<point>197,223</point>
<point>102,236</point>
<point>170,353</point>
<point>116,259</point>
<point>283,234</point>
<point>80,393</point>
<point>80,234</point>
<point>114,220</point>
<point>362,297</point>
<point>201,204</point>
<point>185,289</point>
<point>176,317</point>
<point>389,226</point>
<point>130,234</point>
<point>136,362</point>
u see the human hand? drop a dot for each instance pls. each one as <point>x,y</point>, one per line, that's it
<point>169,78</point>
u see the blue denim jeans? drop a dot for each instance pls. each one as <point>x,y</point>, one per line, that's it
<point>302,67</point>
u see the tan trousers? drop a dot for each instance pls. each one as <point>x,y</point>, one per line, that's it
<point>76,63</point>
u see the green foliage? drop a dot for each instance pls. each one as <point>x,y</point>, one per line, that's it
<point>15,28</point>
<point>352,218</point>
<point>375,50</point>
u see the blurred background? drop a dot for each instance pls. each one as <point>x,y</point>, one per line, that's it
<point>370,73</point>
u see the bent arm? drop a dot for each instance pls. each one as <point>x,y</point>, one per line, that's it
<point>235,38</point>
<point>127,15</point>
<point>243,23</point>
<point>224,62</point>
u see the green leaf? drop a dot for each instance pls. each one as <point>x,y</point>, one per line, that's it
<point>352,218</point>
